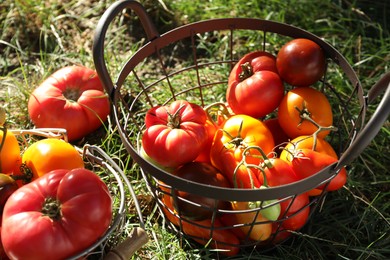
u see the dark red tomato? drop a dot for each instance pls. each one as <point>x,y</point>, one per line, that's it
<point>254,87</point>
<point>280,137</point>
<point>301,62</point>
<point>7,187</point>
<point>203,173</point>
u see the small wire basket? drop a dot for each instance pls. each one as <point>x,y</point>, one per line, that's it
<point>121,191</point>
<point>154,74</point>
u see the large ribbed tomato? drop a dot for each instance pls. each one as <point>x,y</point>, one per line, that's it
<point>175,134</point>
<point>56,216</point>
<point>72,98</point>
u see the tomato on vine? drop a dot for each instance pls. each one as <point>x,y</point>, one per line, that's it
<point>238,133</point>
<point>303,111</point>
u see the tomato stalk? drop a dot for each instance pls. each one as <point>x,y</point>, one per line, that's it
<point>306,115</point>
<point>247,71</point>
<point>217,112</point>
<point>270,208</point>
<point>174,120</point>
<point>52,208</point>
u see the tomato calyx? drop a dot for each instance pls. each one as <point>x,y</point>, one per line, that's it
<point>236,141</point>
<point>52,208</point>
<point>174,120</point>
<point>26,175</point>
<point>247,71</point>
<point>71,94</point>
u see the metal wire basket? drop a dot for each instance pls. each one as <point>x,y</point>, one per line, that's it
<point>122,229</point>
<point>153,75</point>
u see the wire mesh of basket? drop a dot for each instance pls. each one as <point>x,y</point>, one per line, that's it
<point>123,223</point>
<point>192,62</point>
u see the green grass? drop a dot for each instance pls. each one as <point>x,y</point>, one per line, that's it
<point>36,38</point>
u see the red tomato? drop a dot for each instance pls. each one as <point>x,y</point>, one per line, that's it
<point>301,102</point>
<point>254,87</point>
<point>238,133</point>
<point>307,162</point>
<point>295,215</point>
<point>72,98</point>
<point>9,151</point>
<point>301,62</point>
<point>63,210</point>
<point>175,134</point>
<point>277,172</point>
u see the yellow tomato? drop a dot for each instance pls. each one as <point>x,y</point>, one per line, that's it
<point>50,154</point>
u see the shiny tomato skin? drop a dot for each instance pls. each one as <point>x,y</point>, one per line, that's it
<point>307,162</point>
<point>30,232</point>
<point>203,173</point>
<point>277,172</point>
<point>301,62</point>
<point>170,140</point>
<point>237,133</point>
<point>258,60</point>
<point>50,154</point>
<point>309,101</point>
<point>72,98</point>
<point>9,153</point>
<point>256,96</point>
<point>306,141</point>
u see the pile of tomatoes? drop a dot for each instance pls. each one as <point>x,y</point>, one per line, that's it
<point>264,135</point>
<point>51,206</point>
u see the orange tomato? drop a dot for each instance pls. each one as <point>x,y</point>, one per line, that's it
<point>236,134</point>
<point>50,154</point>
<point>304,101</point>
<point>9,152</point>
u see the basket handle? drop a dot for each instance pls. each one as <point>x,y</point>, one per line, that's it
<point>100,34</point>
<point>371,129</point>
